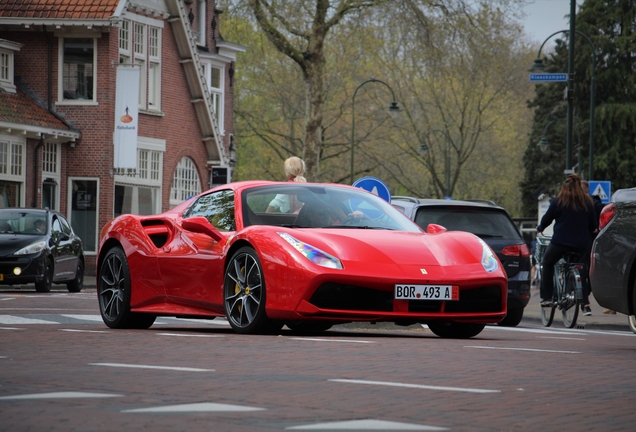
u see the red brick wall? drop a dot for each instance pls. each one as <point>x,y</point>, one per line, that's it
<point>92,155</point>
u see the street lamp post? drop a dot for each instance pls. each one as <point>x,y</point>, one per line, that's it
<point>424,150</point>
<point>393,110</point>
<point>538,65</point>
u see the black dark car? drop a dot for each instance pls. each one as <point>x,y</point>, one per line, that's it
<point>39,246</point>
<point>493,225</point>
<point>613,260</point>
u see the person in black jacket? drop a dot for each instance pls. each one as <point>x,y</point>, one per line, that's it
<point>574,224</point>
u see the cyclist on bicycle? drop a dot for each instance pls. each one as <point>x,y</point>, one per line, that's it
<point>574,222</point>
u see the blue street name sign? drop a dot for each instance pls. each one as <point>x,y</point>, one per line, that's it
<point>375,186</point>
<point>601,188</point>
<point>548,77</point>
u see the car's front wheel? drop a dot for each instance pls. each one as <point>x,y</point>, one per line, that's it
<point>113,293</point>
<point>77,283</point>
<point>244,294</point>
<point>455,330</point>
<point>47,278</point>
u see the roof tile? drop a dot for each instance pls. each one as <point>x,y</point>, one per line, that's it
<point>18,108</point>
<point>58,9</point>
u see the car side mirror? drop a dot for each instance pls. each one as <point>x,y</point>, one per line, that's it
<point>435,229</point>
<point>199,224</point>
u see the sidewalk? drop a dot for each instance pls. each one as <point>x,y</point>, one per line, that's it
<point>597,321</point>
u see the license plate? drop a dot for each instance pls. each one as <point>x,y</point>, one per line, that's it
<point>426,292</point>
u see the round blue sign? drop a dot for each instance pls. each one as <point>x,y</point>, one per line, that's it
<point>375,186</point>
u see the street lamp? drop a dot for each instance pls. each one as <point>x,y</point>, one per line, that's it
<point>539,66</point>
<point>394,109</point>
<point>424,151</point>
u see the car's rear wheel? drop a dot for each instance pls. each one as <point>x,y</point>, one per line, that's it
<point>305,327</point>
<point>47,279</point>
<point>513,317</point>
<point>113,293</point>
<point>244,294</point>
<point>455,330</point>
<point>77,283</point>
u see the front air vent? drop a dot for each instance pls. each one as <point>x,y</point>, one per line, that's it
<point>157,232</point>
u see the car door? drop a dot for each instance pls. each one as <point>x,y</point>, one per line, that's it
<point>192,265</point>
<point>62,251</point>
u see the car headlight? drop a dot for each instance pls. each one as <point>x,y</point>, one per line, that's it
<point>313,254</point>
<point>32,248</point>
<point>488,258</point>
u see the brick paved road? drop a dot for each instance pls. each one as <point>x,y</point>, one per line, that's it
<point>201,376</point>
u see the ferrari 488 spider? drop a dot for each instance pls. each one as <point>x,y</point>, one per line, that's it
<point>334,254</point>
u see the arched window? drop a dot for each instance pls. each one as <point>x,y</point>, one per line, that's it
<point>185,182</point>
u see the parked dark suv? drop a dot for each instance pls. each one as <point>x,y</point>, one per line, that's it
<point>492,224</point>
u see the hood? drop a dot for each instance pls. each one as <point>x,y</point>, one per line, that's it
<point>10,243</point>
<point>399,247</point>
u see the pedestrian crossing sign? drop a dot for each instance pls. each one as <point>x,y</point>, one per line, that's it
<point>602,189</point>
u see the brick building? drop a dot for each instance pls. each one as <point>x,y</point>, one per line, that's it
<point>60,110</point>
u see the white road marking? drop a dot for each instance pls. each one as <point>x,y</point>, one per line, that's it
<point>367,425</point>
<point>195,407</point>
<point>83,331</point>
<point>96,318</point>
<point>174,368</point>
<point>561,338</point>
<point>333,340</point>
<point>59,395</point>
<point>11,328</point>
<point>524,349</point>
<point>574,332</point>
<point>10,319</point>
<point>190,335</point>
<point>7,298</point>
<point>417,386</point>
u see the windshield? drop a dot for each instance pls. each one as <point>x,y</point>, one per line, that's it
<point>309,205</point>
<point>22,222</point>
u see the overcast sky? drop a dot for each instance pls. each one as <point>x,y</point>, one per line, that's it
<point>546,17</point>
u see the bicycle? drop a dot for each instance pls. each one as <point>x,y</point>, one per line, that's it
<point>568,287</point>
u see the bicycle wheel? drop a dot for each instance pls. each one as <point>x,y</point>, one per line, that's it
<point>569,303</point>
<point>547,313</point>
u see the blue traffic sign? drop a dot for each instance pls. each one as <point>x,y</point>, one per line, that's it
<point>375,186</point>
<point>602,189</point>
<point>548,77</point>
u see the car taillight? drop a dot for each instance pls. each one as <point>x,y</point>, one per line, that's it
<point>607,214</point>
<point>516,250</point>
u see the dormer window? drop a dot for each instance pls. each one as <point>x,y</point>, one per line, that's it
<point>7,50</point>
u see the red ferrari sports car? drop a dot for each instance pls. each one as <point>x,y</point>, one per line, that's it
<point>304,255</point>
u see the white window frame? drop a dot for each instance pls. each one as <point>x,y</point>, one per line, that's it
<point>201,24</point>
<point>12,144</point>
<point>155,148</point>
<point>184,186</point>
<point>55,174</point>
<point>7,64</point>
<point>142,52</point>
<point>217,94</point>
<point>60,68</point>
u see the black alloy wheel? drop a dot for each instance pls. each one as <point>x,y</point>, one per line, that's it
<point>244,294</point>
<point>47,280</point>
<point>113,293</point>
<point>77,283</point>
<point>455,330</point>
